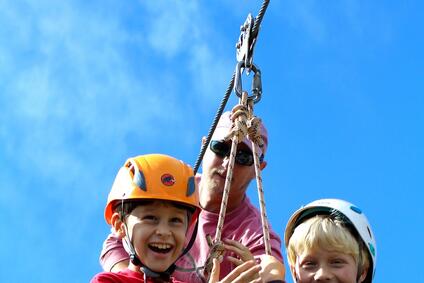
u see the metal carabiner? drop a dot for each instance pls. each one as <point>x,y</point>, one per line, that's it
<point>256,82</point>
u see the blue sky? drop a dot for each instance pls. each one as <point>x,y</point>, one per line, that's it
<point>84,85</point>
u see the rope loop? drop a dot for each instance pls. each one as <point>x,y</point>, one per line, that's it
<point>217,250</point>
<point>244,124</point>
<point>239,129</point>
<point>254,131</point>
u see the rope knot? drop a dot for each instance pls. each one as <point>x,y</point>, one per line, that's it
<point>254,131</point>
<point>217,250</point>
<point>239,128</point>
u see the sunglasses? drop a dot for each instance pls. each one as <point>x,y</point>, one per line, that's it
<point>243,157</point>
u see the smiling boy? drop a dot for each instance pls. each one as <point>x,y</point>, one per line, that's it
<point>152,204</point>
<point>330,240</point>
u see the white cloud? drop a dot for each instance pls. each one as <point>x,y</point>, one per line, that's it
<point>184,29</point>
<point>304,15</point>
<point>69,87</point>
<point>210,72</point>
<point>171,25</point>
<point>328,22</point>
<point>74,93</point>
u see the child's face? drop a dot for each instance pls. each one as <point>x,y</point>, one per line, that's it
<point>158,232</point>
<point>321,265</point>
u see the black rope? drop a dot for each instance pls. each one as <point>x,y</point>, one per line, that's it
<point>224,101</point>
<point>214,123</point>
<point>259,17</point>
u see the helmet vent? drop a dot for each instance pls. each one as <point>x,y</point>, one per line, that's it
<point>372,249</point>
<point>356,209</point>
<point>138,178</point>
<point>190,186</point>
<point>136,174</point>
<point>130,167</point>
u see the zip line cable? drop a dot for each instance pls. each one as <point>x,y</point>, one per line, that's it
<point>244,124</point>
<point>255,32</point>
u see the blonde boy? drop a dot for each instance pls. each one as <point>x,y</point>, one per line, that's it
<point>330,240</point>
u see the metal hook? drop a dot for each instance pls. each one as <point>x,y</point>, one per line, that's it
<point>256,83</point>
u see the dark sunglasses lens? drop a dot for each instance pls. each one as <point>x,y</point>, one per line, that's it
<point>244,158</point>
<point>220,148</point>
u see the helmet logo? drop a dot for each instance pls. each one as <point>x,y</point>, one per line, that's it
<point>167,179</point>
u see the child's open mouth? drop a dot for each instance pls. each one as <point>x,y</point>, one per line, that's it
<point>160,248</point>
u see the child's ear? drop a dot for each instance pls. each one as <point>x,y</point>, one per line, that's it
<point>363,275</point>
<point>117,225</point>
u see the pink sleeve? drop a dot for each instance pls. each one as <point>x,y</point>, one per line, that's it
<point>113,252</point>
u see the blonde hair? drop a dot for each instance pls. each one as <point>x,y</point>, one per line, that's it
<point>328,233</point>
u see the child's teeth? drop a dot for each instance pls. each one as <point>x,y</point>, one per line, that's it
<point>162,246</point>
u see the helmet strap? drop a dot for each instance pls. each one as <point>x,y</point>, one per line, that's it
<point>133,256</point>
<point>165,275</point>
<point>192,239</point>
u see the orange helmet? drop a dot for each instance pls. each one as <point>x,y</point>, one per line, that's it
<point>154,176</point>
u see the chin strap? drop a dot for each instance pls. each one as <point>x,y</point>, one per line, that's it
<point>163,276</point>
<point>148,273</point>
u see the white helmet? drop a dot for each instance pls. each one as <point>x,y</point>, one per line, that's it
<point>350,211</point>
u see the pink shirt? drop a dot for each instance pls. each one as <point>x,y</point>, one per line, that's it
<point>242,224</point>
